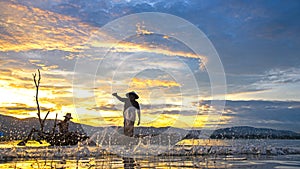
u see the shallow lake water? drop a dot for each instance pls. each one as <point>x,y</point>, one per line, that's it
<point>244,161</point>
<point>186,154</point>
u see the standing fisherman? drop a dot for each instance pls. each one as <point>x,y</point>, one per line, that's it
<point>131,107</point>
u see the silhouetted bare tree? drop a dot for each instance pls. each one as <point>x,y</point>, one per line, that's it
<point>37,81</point>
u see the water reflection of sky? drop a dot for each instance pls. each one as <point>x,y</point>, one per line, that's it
<point>84,157</point>
<point>51,35</point>
<point>104,162</point>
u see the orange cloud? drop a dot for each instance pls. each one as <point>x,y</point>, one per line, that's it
<point>28,28</point>
<point>143,83</point>
<point>141,29</point>
<point>134,47</point>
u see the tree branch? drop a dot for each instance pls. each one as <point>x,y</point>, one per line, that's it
<point>37,85</point>
<point>43,122</point>
<point>54,126</point>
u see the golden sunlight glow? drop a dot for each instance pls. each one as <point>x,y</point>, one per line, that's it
<point>34,28</point>
<point>30,29</point>
<point>133,47</point>
<point>143,83</point>
<point>44,33</point>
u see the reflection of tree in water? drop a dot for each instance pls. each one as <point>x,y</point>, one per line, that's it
<point>129,163</point>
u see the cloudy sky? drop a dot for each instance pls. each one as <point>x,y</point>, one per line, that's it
<point>82,62</point>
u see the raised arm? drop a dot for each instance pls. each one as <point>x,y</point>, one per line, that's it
<point>118,97</point>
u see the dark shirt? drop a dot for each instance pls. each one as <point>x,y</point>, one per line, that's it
<point>133,103</point>
<point>63,127</point>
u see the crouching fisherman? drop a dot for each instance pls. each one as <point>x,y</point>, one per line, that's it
<point>64,125</point>
<point>66,137</point>
<point>60,138</point>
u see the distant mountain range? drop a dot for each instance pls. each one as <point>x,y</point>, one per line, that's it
<point>12,128</point>
<point>246,132</point>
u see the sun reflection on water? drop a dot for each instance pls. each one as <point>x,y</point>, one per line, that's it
<point>203,142</point>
